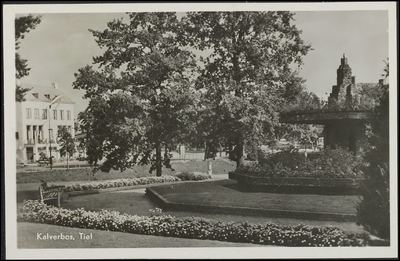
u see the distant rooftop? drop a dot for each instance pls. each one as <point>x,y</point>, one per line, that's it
<point>41,93</point>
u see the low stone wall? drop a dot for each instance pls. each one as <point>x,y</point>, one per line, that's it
<point>346,186</point>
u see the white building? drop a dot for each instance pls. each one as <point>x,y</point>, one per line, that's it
<point>39,117</point>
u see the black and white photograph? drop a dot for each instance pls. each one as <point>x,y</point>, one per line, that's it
<point>200,130</point>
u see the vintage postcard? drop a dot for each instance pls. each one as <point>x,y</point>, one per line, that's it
<point>200,130</point>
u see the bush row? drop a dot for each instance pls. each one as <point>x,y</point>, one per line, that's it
<point>120,183</point>
<point>135,181</point>
<point>295,181</point>
<point>197,228</point>
<point>330,163</point>
<point>185,175</point>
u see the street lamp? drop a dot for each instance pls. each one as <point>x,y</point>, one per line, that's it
<point>51,160</point>
<point>51,103</point>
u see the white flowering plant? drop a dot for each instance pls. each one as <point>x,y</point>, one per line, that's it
<point>191,227</point>
<point>104,184</point>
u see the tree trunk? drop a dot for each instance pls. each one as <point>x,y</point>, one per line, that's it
<point>238,93</point>
<point>67,161</point>
<point>205,150</point>
<point>239,155</point>
<point>158,159</point>
<point>165,151</point>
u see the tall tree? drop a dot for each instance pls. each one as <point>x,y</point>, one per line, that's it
<point>140,100</point>
<point>23,25</point>
<point>373,212</point>
<point>246,75</point>
<point>67,143</point>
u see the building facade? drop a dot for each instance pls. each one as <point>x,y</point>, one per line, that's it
<point>39,117</point>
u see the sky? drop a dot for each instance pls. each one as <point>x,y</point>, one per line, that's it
<point>61,44</point>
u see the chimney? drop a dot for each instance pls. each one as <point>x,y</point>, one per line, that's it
<point>54,85</point>
<point>353,79</point>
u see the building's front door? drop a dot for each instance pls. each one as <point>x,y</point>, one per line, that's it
<point>29,154</point>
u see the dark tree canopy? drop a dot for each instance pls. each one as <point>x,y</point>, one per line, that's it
<point>248,74</point>
<point>373,211</point>
<point>141,99</point>
<point>149,65</point>
<point>23,25</point>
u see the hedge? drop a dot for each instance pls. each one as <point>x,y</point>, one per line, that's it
<point>296,181</point>
<point>185,175</point>
<point>329,163</point>
<point>120,183</point>
<point>135,181</point>
<point>196,228</point>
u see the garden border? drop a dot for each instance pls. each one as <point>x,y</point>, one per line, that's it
<point>192,227</point>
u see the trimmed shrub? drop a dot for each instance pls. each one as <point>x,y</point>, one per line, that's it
<point>330,163</point>
<point>120,183</point>
<point>373,212</point>
<point>197,228</point>
<point>185,175</point>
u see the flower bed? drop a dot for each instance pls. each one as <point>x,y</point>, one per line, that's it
<point>336,170</point>
<point>120,183</point>
<point>198,228</point>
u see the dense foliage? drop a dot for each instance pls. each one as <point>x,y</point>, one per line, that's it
<point>304,102</point>
<point>365,97</point>
<point>186,175</point>
<point>149,67</point>
<point>141,99</point>
<point>197,228</point>
<point>23,25</point>
<point>374,209</point>
<point>247,74</point>
<point>330,163</point>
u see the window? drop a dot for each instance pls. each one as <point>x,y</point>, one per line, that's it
<point>61,115</point>
<point>28,113</point>
<point>28,132</point>
<point>36,113</point>
<point>51,134</point>
<point>17,135</point>
<point>55,114</point>
<point>36,95</point>
<point>47,96</point>
<point>44,114</point>
<point>68,115</point>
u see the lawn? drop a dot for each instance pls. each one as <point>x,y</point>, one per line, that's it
<point>135,202</point>
<point>28,238</point>
<point>227,193</point>
<point>219,166</point>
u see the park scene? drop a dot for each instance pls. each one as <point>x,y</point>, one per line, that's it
<point>200,129</point>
